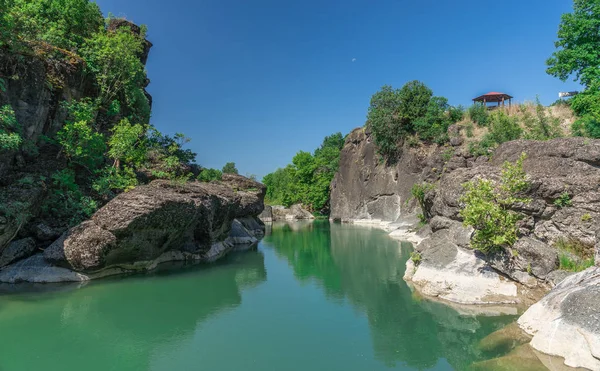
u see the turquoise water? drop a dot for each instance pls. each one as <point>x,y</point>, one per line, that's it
<point>311,297</point>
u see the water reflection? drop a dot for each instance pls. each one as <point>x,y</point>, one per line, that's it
<point>366,267</point>
<point>118,324</point>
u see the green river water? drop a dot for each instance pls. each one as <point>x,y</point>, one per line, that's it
<point>310,297</point>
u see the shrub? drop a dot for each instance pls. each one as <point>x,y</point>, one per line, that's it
<point>112,180</point>
<point>563,200</point>
<point>418,192</point>
<point>66,201</point>
<point>208,175</point>
<point>230,168</point>
<point>81,144</point>
<point>433,125</point>
<point>416,258</point>
<point>541,126</point>
<point>487,207</point>
<point>478,113</point>
<point>10,137</point>
<point>503,128</point>
<point>127,144</point>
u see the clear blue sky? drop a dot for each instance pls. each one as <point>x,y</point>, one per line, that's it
<point>256,81</point>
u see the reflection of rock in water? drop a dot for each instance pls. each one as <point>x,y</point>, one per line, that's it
<point>366,267</point>
<point>154,309</point>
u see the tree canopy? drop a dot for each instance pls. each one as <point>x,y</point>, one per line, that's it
<point>307,179</point>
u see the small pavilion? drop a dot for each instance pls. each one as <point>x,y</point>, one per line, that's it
<point>494,97</point>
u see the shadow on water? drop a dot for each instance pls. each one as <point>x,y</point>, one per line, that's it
<point>111,319</point>
<point>366,267</point>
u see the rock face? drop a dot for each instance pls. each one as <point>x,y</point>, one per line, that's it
<point>566,322</point>
<point>295,212</point>
<point>159,222</point>
<point>366,188</point>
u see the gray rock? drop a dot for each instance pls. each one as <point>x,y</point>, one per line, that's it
<point>239,235</point>
<point>566,322</point>
<point>557,276</point>
<point>44,233</point>
<point>295,212</point>
<point>141,225</point>
<point>37,270</point>
<point>17,250</point>
<point>266,215</point>
<point>540,258</point>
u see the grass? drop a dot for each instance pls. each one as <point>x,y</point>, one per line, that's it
<point>574,255</point>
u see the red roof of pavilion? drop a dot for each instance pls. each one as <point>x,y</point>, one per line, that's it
<point>493,96</point>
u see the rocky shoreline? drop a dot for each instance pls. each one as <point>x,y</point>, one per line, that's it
<point>150,225</point>
<point>444,266</point>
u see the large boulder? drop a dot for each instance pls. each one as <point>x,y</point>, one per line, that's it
<point>139,226</point>
<point>17,250</point>
<point>566,322</point>
<point>295,212</point>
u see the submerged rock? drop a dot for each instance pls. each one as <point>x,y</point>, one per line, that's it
<point>566,322</point>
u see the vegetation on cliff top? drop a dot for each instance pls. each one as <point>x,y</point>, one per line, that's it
<point>307,179</point>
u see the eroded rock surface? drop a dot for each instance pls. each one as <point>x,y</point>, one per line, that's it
<point>566,322</point>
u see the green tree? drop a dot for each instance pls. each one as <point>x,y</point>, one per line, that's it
<point>578,55</point>
<point>127,144</point>
<point>230,168</point>
<point>208,175</point>
<point>10,136</point>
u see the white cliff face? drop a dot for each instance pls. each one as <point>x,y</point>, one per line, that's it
<point>566,322</point>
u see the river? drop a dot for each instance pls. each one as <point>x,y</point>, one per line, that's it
<point>312,296</point>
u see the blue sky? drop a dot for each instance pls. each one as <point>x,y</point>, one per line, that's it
<point>256,81</point>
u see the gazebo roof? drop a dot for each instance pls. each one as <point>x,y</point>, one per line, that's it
<point>492,96</point>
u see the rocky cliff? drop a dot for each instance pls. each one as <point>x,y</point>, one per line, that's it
<point>162,221</point>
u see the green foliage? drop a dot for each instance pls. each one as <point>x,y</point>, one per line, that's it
<point>577,56</point>
<point>113,57</point>
<point>416,258</point>
<point>66,201</point>
<point>308,178</point>
<point>127,143</point>
<point>577,44</point>
<point>418,192</point>
<point>10,130</point>
<point>503,128</point>
<point>81,144</point>
<point>479,114</point>
<point>208,175</point>
<point>392,114</point>
<point>586,218</point>
<point>563,200</point>
<point>230,168</point>
<point>541,126</point>
<point>64,24</point>
<point>433,125</point>
<point>112,180</point>
<point>487,207</point>
<point>574,255</point>
<point>2,85</point>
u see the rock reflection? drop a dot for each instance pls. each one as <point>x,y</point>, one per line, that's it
<point>366,267</point>
<point>158,309</point>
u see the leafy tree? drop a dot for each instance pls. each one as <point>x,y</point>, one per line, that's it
<point>433,125</point>
<point>127,143</point>
<point>81,144</point>
<point>112,180</point>
<point>487,207</point>
<point>113,57</point>
<point>414,102</point>
<point>578,55</point>
<point>307,179</point>
<point>63,24</point>
<point>383,120</point>
<point>230,168</point>
<point>578,44</point>
<point>208,175</point>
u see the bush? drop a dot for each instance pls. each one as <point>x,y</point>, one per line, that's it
<point>230,168</point>
<point>503,128</point>
<point>563,200</point>
<point>433,125</point>
<point>541,126</point>
<point>111,180</point>
<point>66,201</point>
<point>10,130</point>
<point>82,145</point>
<point>487,207</point>
<point>418,192</point>
<point>574,255</point>
<point>478,113</point>
<point>208,175</point>
<point>127,144</point>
